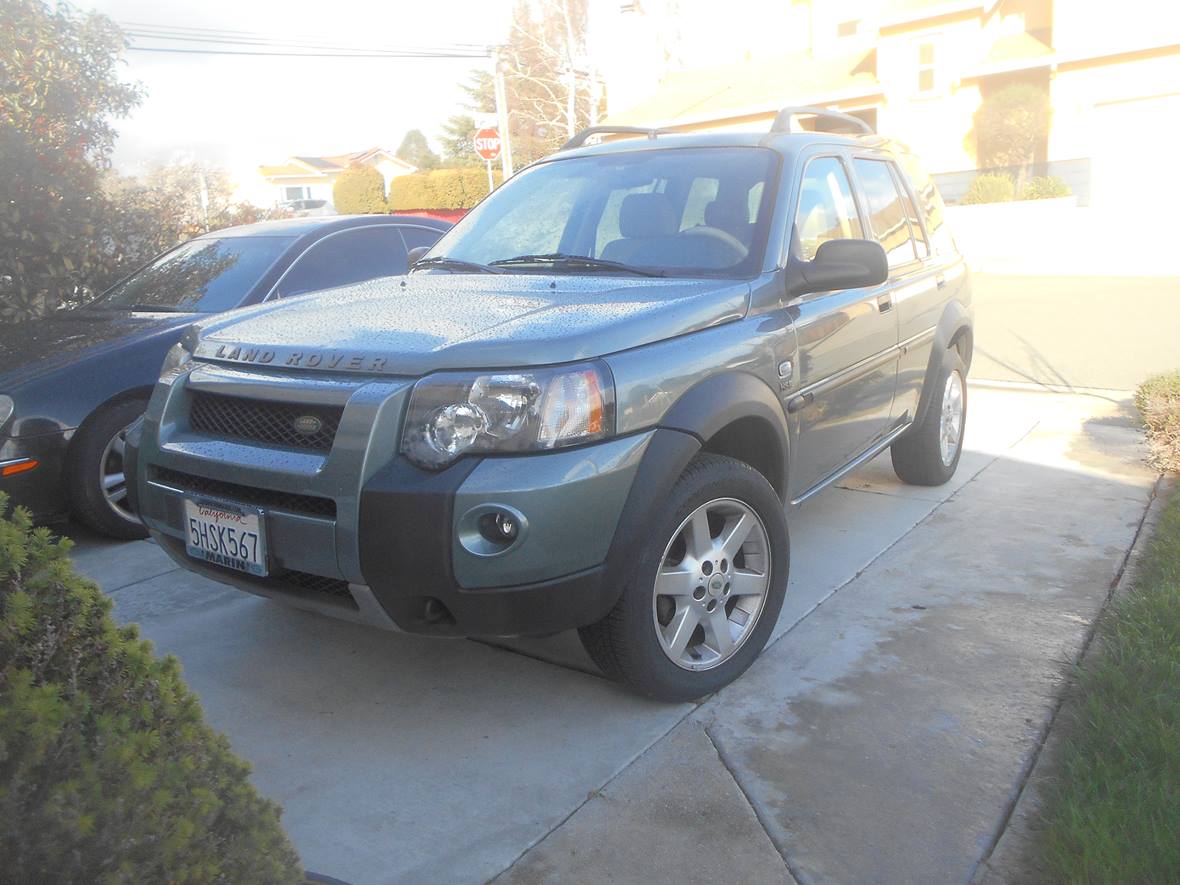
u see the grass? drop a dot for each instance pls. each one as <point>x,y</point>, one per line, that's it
<point>1158,400</point>
<point>1113,804</point>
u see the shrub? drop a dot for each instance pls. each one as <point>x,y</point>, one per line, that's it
<point>1011,124</point>
<point>108,772</point>
<point>455,188</point>
<point>1044,187</point>
<point>990,188</point>
<point>360,190</point>
<point>1158,400</point>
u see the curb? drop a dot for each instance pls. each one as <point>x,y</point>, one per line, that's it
<point>1030,387</point>
<point>1009,862</point>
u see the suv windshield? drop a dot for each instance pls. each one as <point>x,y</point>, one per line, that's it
<point>678,212</point>
<point>206,275</point>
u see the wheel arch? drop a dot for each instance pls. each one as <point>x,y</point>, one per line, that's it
<point>738,415</point>
<point>953,333</point>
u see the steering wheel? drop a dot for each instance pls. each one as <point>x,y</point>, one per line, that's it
<point>721,236</point>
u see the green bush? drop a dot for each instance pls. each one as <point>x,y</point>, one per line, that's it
<point>454,188</point>
<point>1044,187</point>
<point>108,772</point>
<point>990,188</point>
<point>1158,400</point>
<point>360,190</point>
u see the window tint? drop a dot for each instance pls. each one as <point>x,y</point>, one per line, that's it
<point>886,214</point>
<point>826,209</point>
<point>206,275</point>
<point>351,256</point>
<point>419,236</point>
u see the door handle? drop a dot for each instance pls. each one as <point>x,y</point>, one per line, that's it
<point>884,303</point>
<point>940,280</point>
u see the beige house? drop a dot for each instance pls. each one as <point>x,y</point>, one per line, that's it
<point>919,69</point>
<point>311,178</point>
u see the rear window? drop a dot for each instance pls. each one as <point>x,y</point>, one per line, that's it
<point>207,275</point>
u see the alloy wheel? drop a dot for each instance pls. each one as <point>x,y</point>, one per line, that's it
<point>712,584</point>
<point>950,426</point>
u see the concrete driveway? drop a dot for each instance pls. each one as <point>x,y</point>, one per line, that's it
<point>881,737</point>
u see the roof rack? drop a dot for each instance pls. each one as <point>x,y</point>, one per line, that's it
<point>782,123</point>
<point>581,138</point>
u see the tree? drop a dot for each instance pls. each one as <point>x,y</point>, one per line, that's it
<point>459,130</point>
<point>415,150</point>
<point>360,190</point>
<point>61,88</point>
<point>1011,125</point>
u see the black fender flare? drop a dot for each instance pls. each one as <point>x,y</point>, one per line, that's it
<point>954,320</point>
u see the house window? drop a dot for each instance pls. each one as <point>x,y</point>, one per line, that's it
<point>295,193</point>
<point>848,28</point>
<point>926,81</point>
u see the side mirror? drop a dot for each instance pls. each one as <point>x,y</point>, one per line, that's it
<point>843,264</point>
<point>416,254</point>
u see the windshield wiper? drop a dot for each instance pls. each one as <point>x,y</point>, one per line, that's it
<point>445,261</point>
<point>153,308</point>
<point>553,258</point>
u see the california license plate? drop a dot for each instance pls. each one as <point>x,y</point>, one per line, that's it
<point>226,535</point>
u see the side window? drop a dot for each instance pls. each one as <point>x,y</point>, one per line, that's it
<point>351,256</point>
<point>419,236</point>
<point>886,213</point>
<point>826,209</point>
<point>929,204</point>
<point>911,215</point>
<point>701,193</point>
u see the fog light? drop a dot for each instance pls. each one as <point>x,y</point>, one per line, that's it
<point>491,529</point>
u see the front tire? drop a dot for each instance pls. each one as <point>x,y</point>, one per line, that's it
<point>928,454</point>
<point>97,483</point>
<point>706,591</point>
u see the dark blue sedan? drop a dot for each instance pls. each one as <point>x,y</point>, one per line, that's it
<point>72,383</point>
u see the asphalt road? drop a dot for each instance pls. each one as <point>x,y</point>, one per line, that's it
<point>1075,332</point>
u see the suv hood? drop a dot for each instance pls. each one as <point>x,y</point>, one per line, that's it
<point>427,322</point>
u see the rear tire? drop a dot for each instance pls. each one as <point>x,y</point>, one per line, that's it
<point>928,454</point>
<point>94,472</point>
<point>705,593</point>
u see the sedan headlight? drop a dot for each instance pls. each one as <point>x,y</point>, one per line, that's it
<point>453,414</point>
<point>6,408</point>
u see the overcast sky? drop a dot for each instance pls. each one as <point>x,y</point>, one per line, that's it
<point>239,112</point>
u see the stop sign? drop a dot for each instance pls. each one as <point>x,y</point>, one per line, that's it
<point>487,143</point>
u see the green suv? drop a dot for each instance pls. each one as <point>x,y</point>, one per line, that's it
<point>586,406</point>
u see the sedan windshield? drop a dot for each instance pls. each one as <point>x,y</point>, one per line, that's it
<point>206,275</point>
<point>678,212</point>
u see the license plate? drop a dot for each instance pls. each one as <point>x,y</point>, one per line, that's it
<point>225,535</point>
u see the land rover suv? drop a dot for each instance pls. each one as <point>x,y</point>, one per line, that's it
<point>591,405</point>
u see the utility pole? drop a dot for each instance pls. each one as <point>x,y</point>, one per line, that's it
<point>502,118</point>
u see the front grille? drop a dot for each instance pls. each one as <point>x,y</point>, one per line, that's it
<point>310,505</point>
<point>334,587</point>
<point>281,424</point>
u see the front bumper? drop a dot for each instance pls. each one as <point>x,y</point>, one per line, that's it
<point>42,490</point>
<point>360,533</point>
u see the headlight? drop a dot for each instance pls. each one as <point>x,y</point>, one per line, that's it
<point>176,358</point>
<point>453,414</point>
<point>6,407</point>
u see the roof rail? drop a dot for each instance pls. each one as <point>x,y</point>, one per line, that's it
<point>782,123</point>
<point>581,138</point>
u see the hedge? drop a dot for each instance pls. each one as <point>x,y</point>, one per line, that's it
<point>360,190</point>
<point>108,772</point>
<point>454,188</point>
<point>1044,187</point>
<point>990,188</point>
